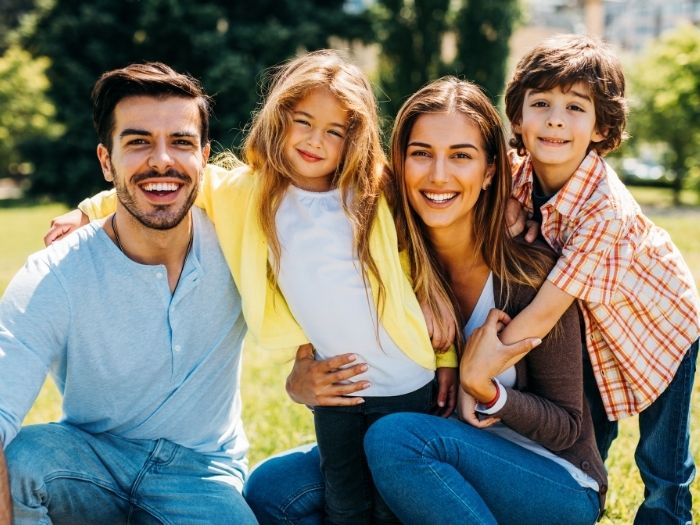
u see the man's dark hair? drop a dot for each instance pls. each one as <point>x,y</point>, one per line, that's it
<point>152,79</point>
<point>561,61</point>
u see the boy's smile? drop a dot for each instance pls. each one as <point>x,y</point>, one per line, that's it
<point>557,128</point>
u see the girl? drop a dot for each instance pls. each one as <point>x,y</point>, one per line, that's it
<point>310,240</point>
<point>526,454</point>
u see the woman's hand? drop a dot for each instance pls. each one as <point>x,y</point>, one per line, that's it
<point>64,224</point>
<point>517,221</point>
<point>440,337</point>
<point>485,356</point>
<point>447,391</point>
<point>466,409</point>
<point>318,383</point>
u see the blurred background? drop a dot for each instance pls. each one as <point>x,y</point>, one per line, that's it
<point>52,51</point>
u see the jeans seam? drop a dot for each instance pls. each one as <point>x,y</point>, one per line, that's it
<point>293,499</point>
<point>61,474</point>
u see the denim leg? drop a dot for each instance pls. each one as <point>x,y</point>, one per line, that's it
<point>605,430</point>
<point>435,470</point>
<point>178,485</point>
<point>58,475</point>
<point>663,453</point>
<point>287,488</point>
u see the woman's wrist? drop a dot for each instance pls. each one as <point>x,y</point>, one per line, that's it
<point>484,391</point>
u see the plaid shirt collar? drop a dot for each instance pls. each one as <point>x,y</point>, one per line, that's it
<point>574,194</point>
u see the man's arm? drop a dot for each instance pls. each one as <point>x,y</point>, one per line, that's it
<point>5,503</point>
<point>318,383</point>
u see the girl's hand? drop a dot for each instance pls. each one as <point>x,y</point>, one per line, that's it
<point>447,391</point>
<point>440,338</point>
<point>64,224</point>
<point>466,406</point>
<point>517,221</point>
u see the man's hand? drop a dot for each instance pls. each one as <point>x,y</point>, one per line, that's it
<point>517,221</point>
<point>440,338</point>
<point>64,224</point>
<point>485,356</point>
<point>466,408</point>
<point>5,503</point>
<point>318,383</point>
<point>447,391</point>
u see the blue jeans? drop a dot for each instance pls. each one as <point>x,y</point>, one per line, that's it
<point>62,475</point>
<point>435,470</point>
<point>663,453</point>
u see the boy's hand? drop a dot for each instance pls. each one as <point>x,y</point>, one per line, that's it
<point>517,221</point>
<point>64,224</point>
<point>447,391</point>
<point>440,338</point>
<point>317,383</point>
<point>466,409</point>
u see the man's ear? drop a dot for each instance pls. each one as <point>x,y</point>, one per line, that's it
<point>103,156</point>
<point>206,151</point>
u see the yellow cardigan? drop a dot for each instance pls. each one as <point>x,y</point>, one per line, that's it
<point>230,199</point>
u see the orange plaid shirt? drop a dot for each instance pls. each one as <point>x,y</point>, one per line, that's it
<point>636,293</point>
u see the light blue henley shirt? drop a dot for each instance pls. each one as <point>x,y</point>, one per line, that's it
<point>128,357</point>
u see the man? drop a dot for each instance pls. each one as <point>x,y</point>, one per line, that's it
<point>138,321</point>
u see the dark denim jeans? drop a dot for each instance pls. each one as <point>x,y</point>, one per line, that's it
<point>351,498</point>
<point>663,452</point>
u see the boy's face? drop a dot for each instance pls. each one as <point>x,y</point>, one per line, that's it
<point>557,128</point>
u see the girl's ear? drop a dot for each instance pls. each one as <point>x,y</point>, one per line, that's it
<point>103,156</point>
<point>516,127</point>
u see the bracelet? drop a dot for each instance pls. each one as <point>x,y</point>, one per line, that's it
<point>491,403</point>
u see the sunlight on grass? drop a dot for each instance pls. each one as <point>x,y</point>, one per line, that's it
<point>274,423</point>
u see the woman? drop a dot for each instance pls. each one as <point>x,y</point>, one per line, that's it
<point>525,451</point>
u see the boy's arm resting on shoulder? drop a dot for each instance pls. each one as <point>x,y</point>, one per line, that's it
<point>539,317</point>
<point>318,382</point>
<point>5,503</point>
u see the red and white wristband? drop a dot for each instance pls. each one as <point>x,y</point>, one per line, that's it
<point>497,403</point>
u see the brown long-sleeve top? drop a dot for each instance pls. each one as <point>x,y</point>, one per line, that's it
<point>547,404</point>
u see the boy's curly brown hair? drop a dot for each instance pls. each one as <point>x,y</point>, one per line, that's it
<point>562,61</point>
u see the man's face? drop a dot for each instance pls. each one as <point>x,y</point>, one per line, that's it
<point>156,158</point>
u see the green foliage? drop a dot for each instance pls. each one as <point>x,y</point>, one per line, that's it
<point>224,44</point>
<point>10,13</point>
<point>483,31</point>
<point>665,100</point>
<point>414,36</point>
<point>26,113</point>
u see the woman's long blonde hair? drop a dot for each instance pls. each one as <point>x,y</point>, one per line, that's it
<point>511,262</point>
<point>360,172</point>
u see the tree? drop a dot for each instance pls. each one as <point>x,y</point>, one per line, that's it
<point>665,100</point>
<point>483,29</point>
<point>225,44</point>
<point>10,13</point>
<point>26,112</point>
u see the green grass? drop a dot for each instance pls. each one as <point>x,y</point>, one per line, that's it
<point>274,423</point>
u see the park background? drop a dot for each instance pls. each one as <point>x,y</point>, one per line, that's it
<point>51,52</point>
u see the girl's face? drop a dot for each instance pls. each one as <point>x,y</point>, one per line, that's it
<point>315,139</point>
<point>446,168</point>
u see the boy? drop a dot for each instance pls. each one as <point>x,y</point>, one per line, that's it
<point>637,296</point>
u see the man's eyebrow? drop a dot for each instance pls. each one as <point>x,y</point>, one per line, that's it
<point>134,131</point>
<point>309,115</point>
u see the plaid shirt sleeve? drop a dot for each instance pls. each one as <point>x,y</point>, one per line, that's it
<point>593,261</point>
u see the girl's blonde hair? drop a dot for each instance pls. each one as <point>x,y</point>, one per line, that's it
<point>360,172</point>
<point>511,263</point>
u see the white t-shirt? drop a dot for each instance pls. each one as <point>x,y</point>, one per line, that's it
<point>321,280</point>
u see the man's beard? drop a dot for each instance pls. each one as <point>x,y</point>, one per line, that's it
<point>163,217</point>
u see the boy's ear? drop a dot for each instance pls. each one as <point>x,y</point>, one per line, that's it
<point>599,136</point>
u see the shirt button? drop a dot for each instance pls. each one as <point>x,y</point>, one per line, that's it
<point>159,275</point>
<point>177,348</point>
<point>585,465</point>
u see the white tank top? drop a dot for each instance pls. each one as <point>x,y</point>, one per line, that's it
<point>321,280</point>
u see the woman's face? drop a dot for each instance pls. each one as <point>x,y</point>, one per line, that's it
<point>445,170</point>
